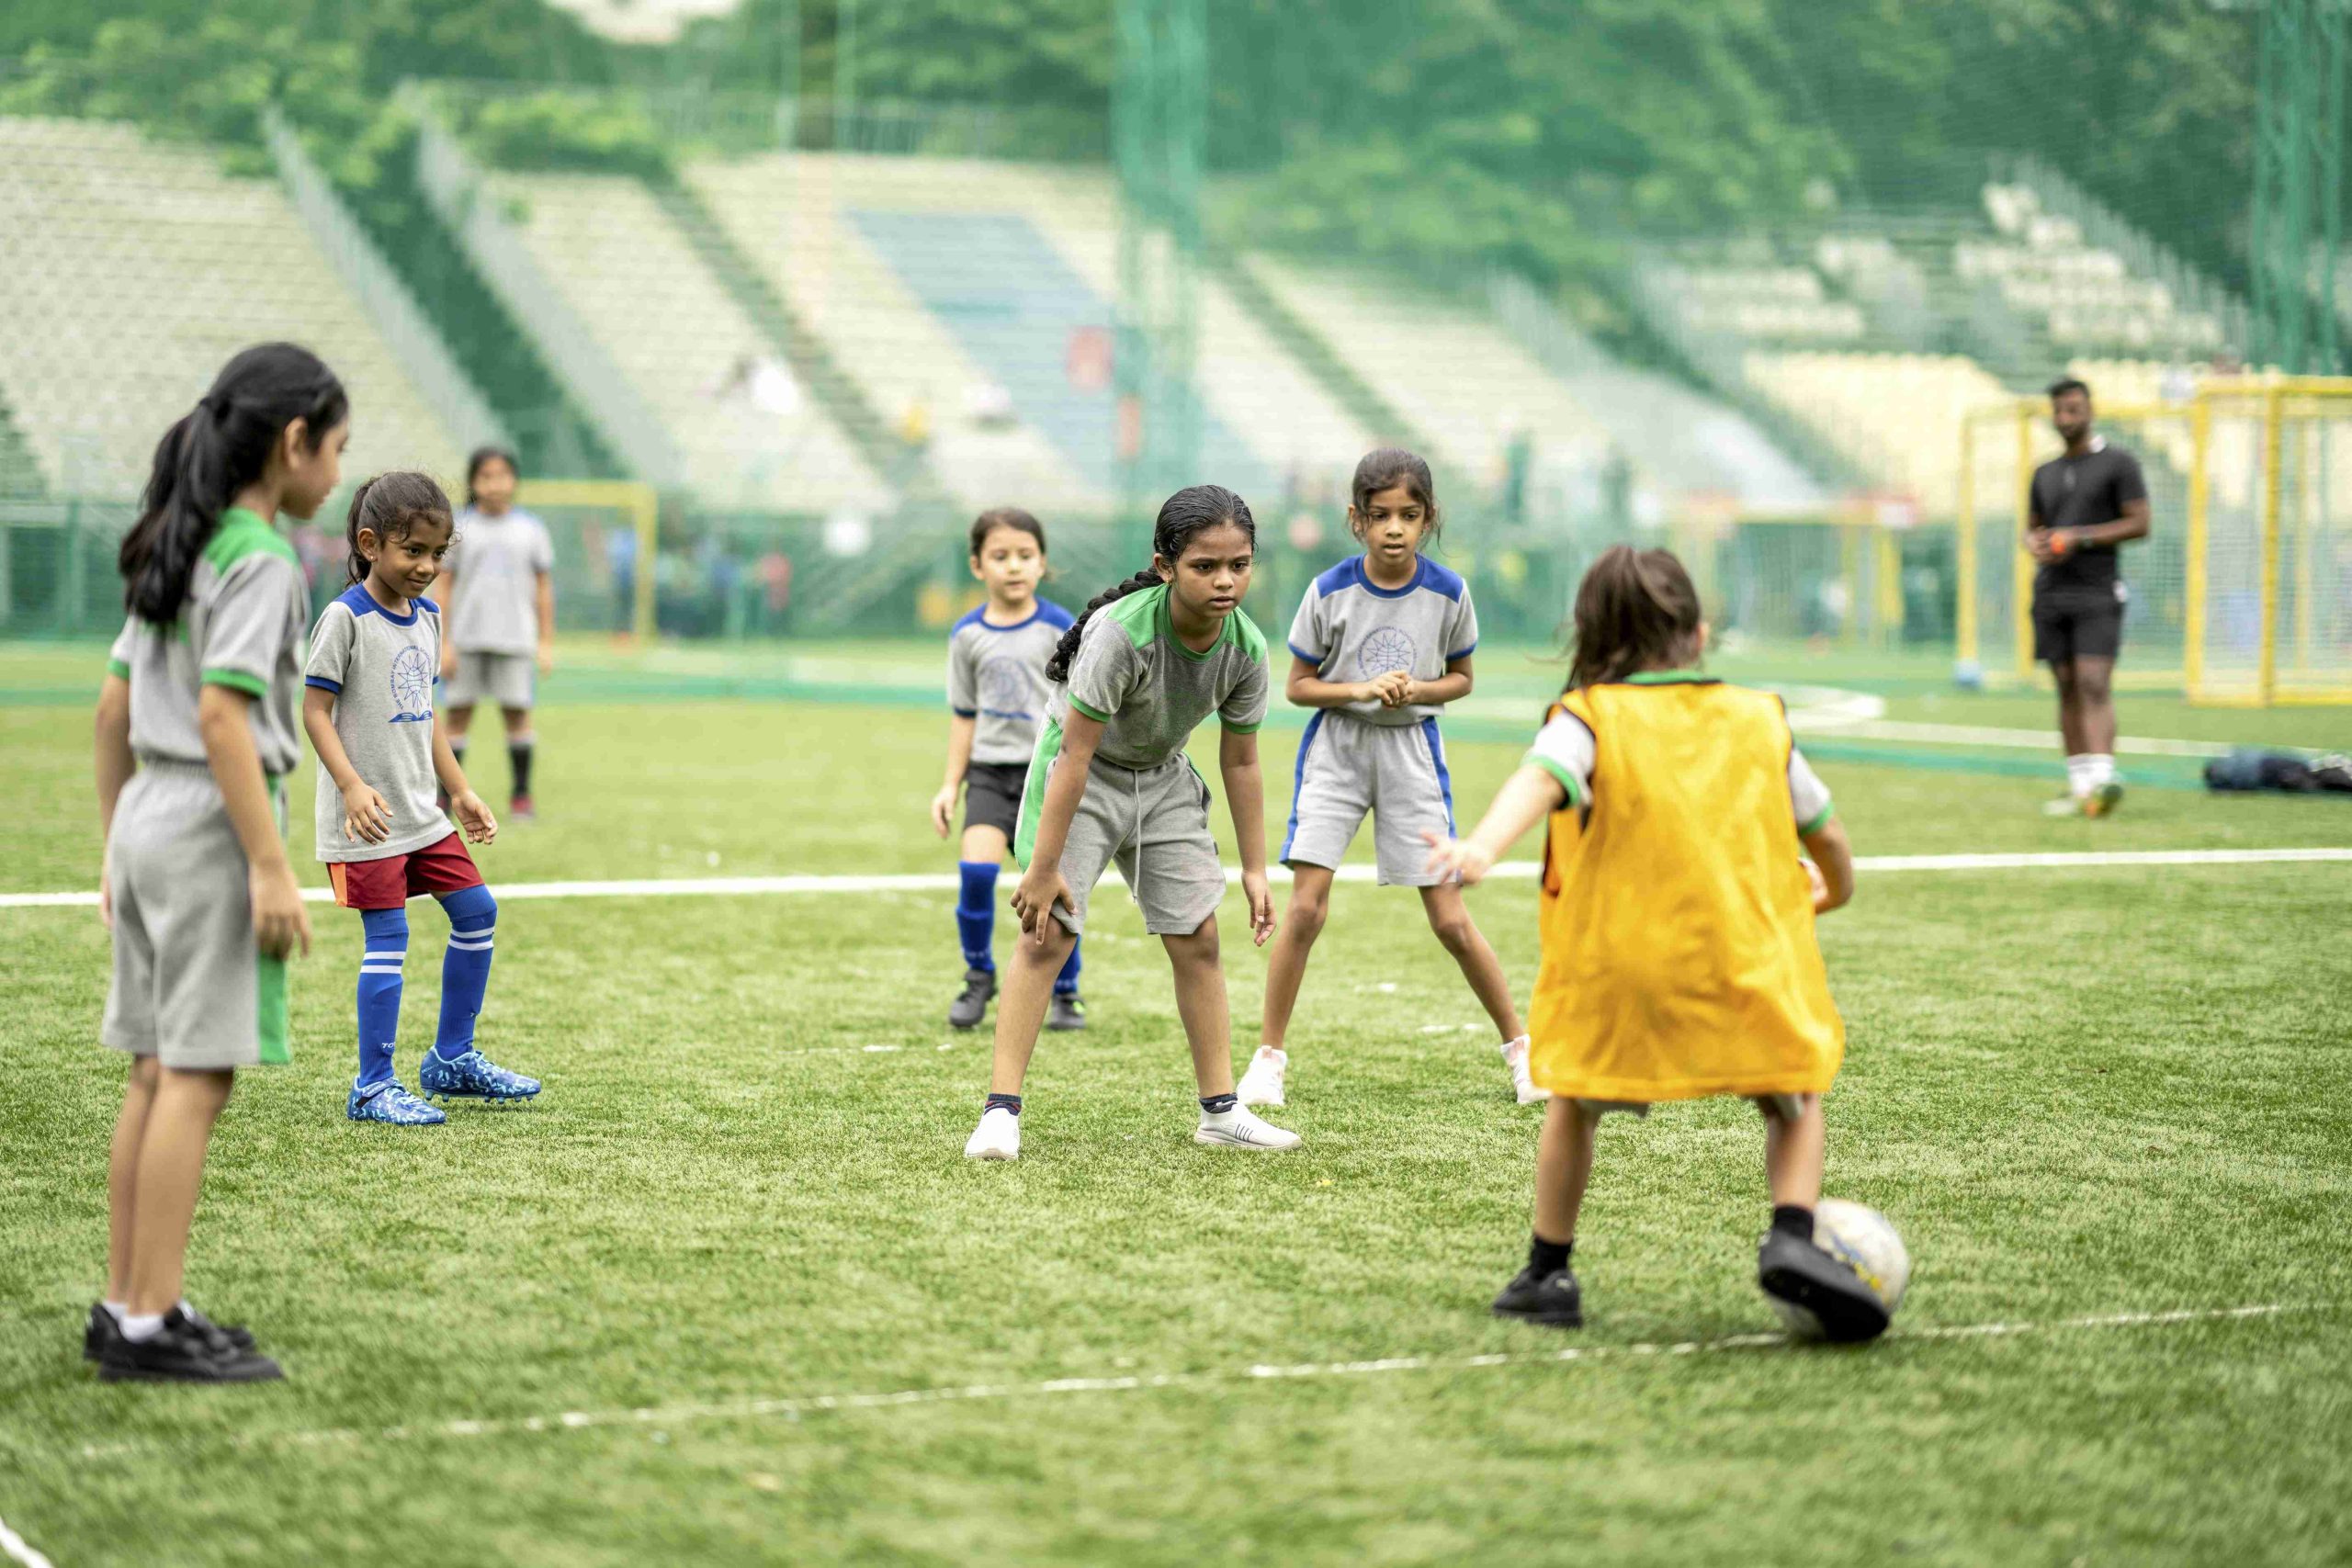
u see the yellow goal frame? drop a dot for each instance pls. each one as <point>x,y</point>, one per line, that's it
<point>641,503</point>
<point>2278,400</point>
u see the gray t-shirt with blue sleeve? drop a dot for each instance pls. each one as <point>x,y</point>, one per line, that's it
<point>496,562</point>
<point>996,677</point>
<point>1353,629</point>
<point>380,668</point>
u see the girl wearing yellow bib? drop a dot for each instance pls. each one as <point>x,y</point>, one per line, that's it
<point>1679,953</point>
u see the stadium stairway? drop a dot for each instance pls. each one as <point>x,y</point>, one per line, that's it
<point>1363,402</point>
<point>792,338</point>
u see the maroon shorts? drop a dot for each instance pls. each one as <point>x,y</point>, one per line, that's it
<point>389,883</point>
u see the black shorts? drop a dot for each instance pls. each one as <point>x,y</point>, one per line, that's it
<point>2080,625</point>
<point>992,796</point>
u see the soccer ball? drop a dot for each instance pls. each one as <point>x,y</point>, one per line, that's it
<point>1862,1239</point>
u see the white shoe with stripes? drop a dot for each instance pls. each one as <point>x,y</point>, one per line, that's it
<point>997,1137</point>
<point>1238,1129</point>
<point>1263,1084</point>
<point>1515,1059</point>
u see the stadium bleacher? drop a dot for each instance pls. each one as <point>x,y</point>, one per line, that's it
<point>134,270</point>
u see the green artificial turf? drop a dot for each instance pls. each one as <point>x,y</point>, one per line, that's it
<point>2078,1092</point>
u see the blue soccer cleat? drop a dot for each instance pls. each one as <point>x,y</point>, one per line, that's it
<point>472,1076</point>
<point>388,1103</point>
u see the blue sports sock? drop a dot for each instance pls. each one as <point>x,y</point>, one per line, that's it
<point>380,991</point>
<point>976,914</point>
<point>465,970</point>
<point>1066,983</point>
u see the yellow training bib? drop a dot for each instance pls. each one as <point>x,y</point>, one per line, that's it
<point>1679,950</point>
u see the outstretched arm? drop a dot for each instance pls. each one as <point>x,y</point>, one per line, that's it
<point>1833,857</point>
<point>1526,799</point>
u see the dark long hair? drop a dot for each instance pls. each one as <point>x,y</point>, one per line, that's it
<point>481,455</point>
<point>1635,610</point>
<point>1012,517</point>
<point>1385,468</point>
<point>1193,510</point>
<point>215,450</point>
<point>389,505</point>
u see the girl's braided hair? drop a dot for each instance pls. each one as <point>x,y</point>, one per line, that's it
<point>1192,511</point>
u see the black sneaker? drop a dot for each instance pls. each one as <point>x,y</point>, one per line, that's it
<point>1066,1013</point>
<point>1550,1299</point>
<point>979,989</point>
<point>185,1352</point>
<point>102,1331</point>
<point>1796,1273</point>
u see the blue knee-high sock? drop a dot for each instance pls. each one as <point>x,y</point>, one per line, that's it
<point>380,991</point>
<point>1066,983</point>
<point>465,970</point>
<point>976,913</point>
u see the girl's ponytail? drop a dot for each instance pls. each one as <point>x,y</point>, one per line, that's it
<point>1190,511</point>
<point>208,456</point>
<point>1635,610</point>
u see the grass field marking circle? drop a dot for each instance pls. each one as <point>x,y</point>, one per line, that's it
<point>1508,871</point>
<point>18,1548</point>
<point>793,1408</point>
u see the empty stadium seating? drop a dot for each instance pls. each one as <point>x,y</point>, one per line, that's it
<point>133,271</point>
<point>746,433</point>
<point>1895,416</point>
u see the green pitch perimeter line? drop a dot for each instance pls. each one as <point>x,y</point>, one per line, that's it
<point>657,1419</point>
<point>1522,870</point>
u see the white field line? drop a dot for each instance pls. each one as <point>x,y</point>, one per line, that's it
<point>1982,735</point>
<point>657,1419</point>
<point>17,1548</point>
<point>941,882</point>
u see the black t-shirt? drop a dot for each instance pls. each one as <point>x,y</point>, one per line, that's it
<point>2081,493</point>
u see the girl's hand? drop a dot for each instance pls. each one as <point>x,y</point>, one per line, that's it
<point>1388,690</point>
<point>1408,692</point>
<point>280,923</point>
<point>547,659</point>
<point>1261,906</point>
<point>1041,888</point>
<point>1458,860</point>
<point>366,817</point>
<point>474,816</point>
<point>1820,886</point>
<point>106,888</point>
<point>448,663</point>
<point>942,809</point>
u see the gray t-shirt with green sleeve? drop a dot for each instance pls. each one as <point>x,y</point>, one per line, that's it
<point>996,678</point>
<point>1353,629</point>
<point>496,562</point>
<point>1149,691</point>
<point>240,628</point>
<point>380,668</point>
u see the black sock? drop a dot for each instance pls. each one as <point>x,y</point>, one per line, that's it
<point>1547,1257</point>
<point>519,756</point>
<point>1002,1102</point>
<point>1219,1104</point>
<point>1793,1219</point>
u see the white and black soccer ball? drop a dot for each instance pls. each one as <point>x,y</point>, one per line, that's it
<point>1863,1240</point>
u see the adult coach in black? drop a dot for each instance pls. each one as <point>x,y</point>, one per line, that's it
<point>2086,502</point>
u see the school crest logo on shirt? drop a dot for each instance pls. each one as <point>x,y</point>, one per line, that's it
<point>1383,650</point>
<point>1005,689</point>
<point>412,687</point>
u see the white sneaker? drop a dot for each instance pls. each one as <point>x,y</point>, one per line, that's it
<point>1515,1058</point>
<point>997,1137</point>
<point>1238,1129</point>
<point>1263,1084</point>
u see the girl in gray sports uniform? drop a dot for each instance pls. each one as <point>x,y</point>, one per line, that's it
<point>197,731</point>
<point>497,594</point>
<point>1146,664</point>
<point>1382,643</point>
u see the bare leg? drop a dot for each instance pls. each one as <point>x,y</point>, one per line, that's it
<point>1200,1001</point>
<point>2095,705</point>
<point>1794,1150</point>
<point>1460,934</point>
<point>458,720</point>
<point>1563,1168</point>
<point>1021,1005</point>
<point>1310,905</point>
<point>122,1174</point>
<point>517,722</point>
<point>2070,716</point>
<point>983,845</point>
<point>170,1171</point>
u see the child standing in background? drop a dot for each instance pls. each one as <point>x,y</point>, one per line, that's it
<point>370,716</point>
<point>1145,665</point>
<point>498,593</point>
<point>196,734</point>
<point>996,693</point>
<point>1679,951</point>
<point>1382,643</point>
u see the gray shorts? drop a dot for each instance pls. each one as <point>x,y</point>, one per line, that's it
<point>510,679</point>
<point>190,987</point>
<point>1154,824</point>
<point>1396,771</point>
